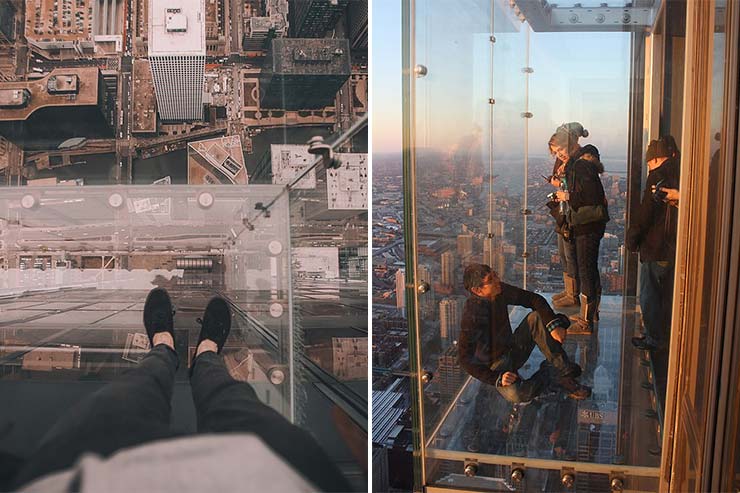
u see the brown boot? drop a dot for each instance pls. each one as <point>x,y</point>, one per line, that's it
<point>564,292</point>
<point>598,304</point>
<point>583,323</point>
<point>571,296</point>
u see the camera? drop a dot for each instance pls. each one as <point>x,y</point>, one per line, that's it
<point>659,194</point>
<point>552,196</point>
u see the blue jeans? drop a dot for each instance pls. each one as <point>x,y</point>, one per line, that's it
<point>656,299</point>
<point>567,251</point>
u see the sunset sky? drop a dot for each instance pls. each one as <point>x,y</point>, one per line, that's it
<point>577,77</point>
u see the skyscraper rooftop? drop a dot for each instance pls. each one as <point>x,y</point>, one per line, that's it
<point>177,28</point>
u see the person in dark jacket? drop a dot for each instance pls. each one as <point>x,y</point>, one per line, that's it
<point>490,352</point>
<point>586,213</point>
<point>652,232</point>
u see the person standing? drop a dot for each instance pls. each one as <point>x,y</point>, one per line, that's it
<point>586,212</point>
<point>652,233</point>
<point>568,297</point>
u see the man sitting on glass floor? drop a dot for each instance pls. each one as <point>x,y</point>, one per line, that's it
<point>490,352</point>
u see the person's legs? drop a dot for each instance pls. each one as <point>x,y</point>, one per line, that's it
<point>225,405</point>
<point>532,331</point>
<point>564,265</point>
<point>571,260</point>
<point>132,410</point>
<point>569,296</point>
<point>650,302</point>
<point>561,252</point>
<point>667,279</point>
<point>656,295</point>
<point>587,258</point>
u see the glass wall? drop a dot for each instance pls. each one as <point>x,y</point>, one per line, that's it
<point>109,192</point>
<point>478,175</point>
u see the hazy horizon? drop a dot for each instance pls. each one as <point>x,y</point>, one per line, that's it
<point>577,77</point>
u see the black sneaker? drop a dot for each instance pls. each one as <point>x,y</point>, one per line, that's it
<point>216,322</point>
<point>158,313</point>
<point>573,389</point>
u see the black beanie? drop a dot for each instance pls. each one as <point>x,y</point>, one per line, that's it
<point>656,149</point>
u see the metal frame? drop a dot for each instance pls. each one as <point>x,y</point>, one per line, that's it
<point>722,473</point>
<point>408,62</point>
<point>550,464</point>
<point>544,16</point>
<point>685,437</point>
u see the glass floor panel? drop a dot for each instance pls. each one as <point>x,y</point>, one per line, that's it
<point>619,424</point>
<point>75,341</point>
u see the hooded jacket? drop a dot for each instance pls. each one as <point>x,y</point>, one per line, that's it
<point>584,186</point>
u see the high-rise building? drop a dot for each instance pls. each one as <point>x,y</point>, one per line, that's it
<point>7,21</point>
<point>488,251</point>
<point>344,357</point>
<point>401,289</point>
<point>313,18</point>
<point>448,269</point>
<point>451,375</point>
<point>67,103</point>
<point>302,74</point>
<point>496,228</point>
<point>499,264</point>
<point>177,52</point>
<point>449,320</point>
<point>464,245</point>
<point>357,19</point>
<point>258,30</point>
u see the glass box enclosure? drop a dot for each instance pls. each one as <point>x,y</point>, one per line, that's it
<point>486,85</point>
<point>77,263</point>
<point>237,168</point>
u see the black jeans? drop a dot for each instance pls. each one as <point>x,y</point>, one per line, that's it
<point>587,256</point>
<point>530,332</point>
<point>135,409</point>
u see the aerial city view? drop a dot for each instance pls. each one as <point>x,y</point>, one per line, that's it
<point>210,147</point>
